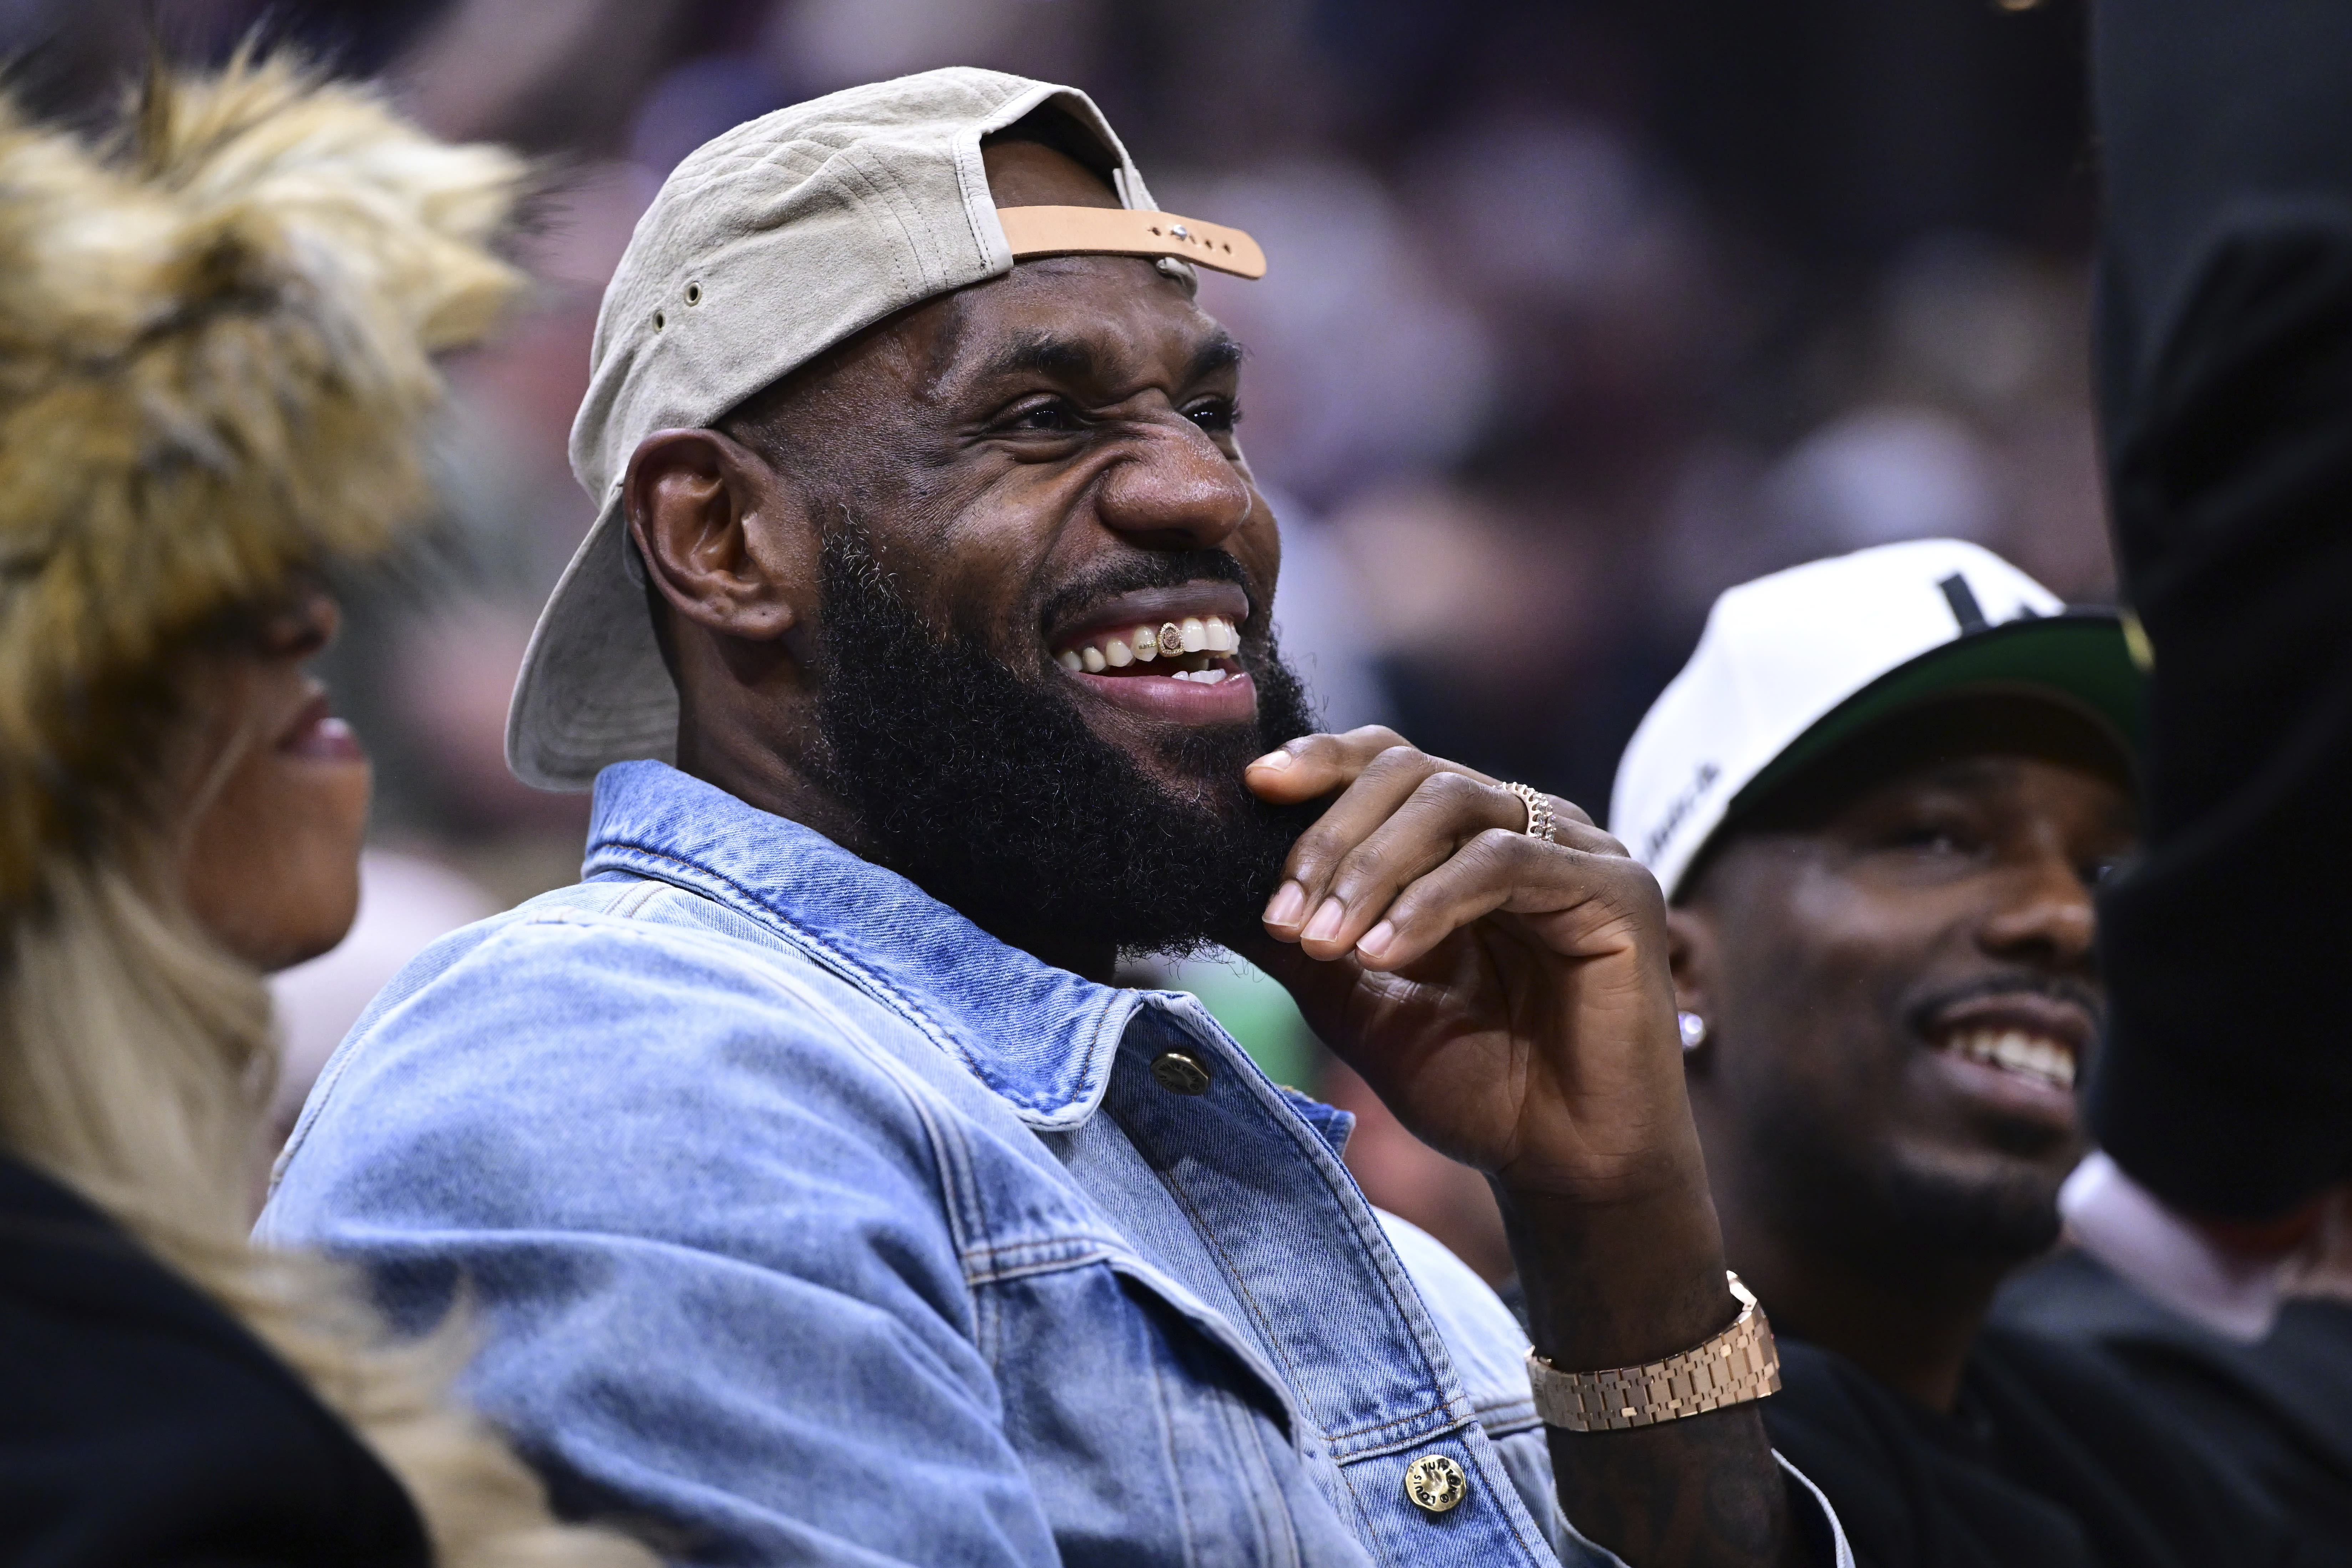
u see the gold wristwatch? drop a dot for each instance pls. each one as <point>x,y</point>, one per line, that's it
<point>1735,1366</point>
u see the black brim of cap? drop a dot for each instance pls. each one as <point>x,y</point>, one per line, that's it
<point>2081,658</point>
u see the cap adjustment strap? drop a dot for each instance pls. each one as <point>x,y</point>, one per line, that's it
<point>1120,231</point>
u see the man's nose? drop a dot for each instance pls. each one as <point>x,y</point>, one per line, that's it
<point>2047,915</point>
<point>1173,489</point>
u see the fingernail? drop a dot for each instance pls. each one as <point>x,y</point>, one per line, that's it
<point>1326,923</point>
<point>1275,759</point>
<point>1376,940</point>
<point>1288,903</point>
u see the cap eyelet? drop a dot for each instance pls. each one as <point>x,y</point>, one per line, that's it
<point>658,322</point>
<point>694,293</point>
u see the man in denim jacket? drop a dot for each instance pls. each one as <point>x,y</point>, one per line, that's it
<point>817,1196</point>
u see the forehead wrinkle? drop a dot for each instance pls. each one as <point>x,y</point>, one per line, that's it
<point>1091,357</point>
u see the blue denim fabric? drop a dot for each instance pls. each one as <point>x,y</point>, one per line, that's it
<point>808,1222</point>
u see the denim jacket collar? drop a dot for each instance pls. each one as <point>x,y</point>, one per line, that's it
<point>1041,1038</point>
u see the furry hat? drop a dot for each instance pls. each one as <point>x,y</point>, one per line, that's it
<point>215,331</point>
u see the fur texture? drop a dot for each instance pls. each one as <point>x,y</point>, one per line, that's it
<point>216,342</point>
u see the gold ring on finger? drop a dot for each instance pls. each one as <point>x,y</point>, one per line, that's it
<point>1539,818</point>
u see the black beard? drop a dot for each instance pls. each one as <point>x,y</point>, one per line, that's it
<point>1859,1203</point>
<point>988,791</point>
<point>2007,1222</point>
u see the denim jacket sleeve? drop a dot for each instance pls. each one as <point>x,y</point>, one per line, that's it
<point>788,1370</point>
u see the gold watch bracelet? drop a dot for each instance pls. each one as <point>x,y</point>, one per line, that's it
<point>1735,1366</point>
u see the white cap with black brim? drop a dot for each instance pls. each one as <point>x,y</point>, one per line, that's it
<point>1793,663</point>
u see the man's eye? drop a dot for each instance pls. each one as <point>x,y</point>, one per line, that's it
<point>1218,415</point>
<point>1927,839</point>
<point>1050,418</point>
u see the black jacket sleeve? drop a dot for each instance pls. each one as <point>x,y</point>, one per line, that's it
<point>2226,366</point>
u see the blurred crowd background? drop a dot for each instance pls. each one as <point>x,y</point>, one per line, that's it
<point>1578,312</point>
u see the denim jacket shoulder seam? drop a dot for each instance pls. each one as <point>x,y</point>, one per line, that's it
<point>963,1199</point>
<point>693,878</point>
<point>951,1176</point>
<point>702,881</point>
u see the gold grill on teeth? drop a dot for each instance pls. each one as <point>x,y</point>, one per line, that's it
<point>1212,635</point>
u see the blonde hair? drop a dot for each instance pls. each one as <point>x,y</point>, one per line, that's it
<point>135,1061</point>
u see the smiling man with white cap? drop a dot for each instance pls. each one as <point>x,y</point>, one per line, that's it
<point>1878,798</point>
<point>820,1197</point>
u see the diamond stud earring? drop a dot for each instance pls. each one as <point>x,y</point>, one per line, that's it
<point>1694,1030</point>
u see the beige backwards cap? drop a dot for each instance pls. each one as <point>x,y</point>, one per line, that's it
<point>765,247</point>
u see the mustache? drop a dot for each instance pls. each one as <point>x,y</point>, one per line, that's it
<point>1152,568</point>
<point>2016,982</point>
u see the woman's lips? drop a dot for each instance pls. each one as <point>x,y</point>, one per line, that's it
<point>317,735</point>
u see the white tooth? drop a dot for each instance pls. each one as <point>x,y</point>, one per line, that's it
<point>1183,675</point>
<point>1196,636</point>
<point>1210,677</point>
<point>1146,643</point>
<point>1092,658</point>
<point>1222,635</point>
<point>1068,659</point>
<point>1117,654</point>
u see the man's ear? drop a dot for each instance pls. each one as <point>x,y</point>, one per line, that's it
<point>728,545</point>
<point>1692,950</point>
